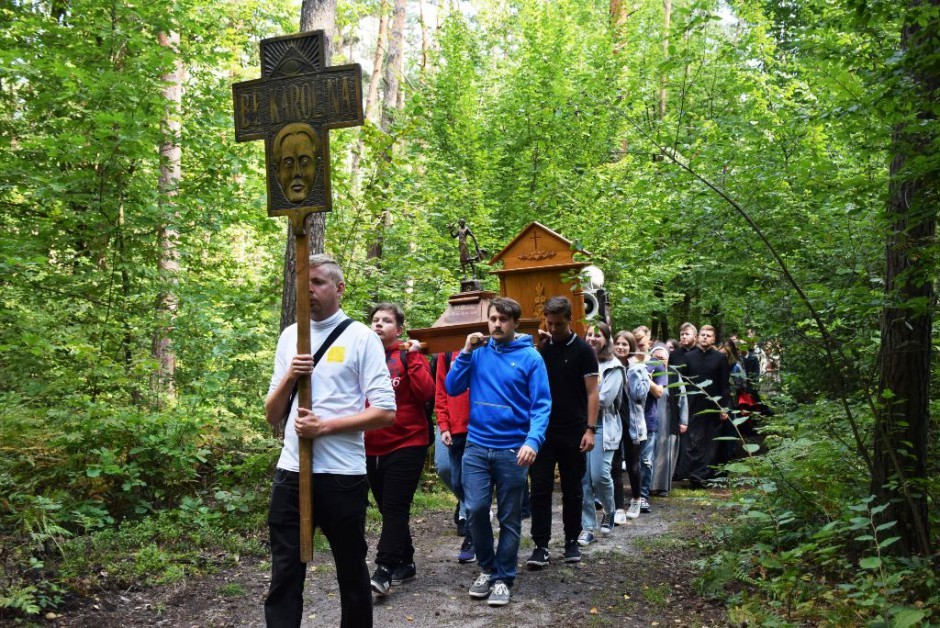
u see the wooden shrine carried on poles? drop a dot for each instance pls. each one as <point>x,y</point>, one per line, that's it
<point>292,107</point>
<point>537,264</point>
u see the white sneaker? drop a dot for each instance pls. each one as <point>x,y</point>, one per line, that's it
<point>633,512</point>
<point>620,517</point>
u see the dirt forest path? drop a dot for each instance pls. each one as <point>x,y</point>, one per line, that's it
<point>638,576</point>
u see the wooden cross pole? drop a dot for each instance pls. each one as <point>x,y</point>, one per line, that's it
<point>292,107</point>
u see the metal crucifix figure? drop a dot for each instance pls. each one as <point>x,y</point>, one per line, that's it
<point>292,107</point>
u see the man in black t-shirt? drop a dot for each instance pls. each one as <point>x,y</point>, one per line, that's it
<point>573,377</point>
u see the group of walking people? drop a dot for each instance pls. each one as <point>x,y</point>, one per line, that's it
<point>511,410</point>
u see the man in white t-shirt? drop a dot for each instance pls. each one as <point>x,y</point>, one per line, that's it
<point>351,372</point>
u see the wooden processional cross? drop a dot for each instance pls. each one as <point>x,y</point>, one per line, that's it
<point>292,107</point>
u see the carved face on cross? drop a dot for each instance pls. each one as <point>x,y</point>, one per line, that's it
<point>295,157</point>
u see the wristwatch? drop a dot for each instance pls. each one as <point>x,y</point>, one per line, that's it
<point>593,428</point>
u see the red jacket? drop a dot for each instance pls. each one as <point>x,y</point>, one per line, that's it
<point>413,388</point>
<point>453,413</point>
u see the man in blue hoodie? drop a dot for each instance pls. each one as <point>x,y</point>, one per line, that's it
<point>510,402</point>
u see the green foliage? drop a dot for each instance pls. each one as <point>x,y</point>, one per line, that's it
<point>88,441</point>
<point>806,542</point>
<point>535,110</point>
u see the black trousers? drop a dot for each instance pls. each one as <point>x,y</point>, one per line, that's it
<point>682,465</point>
<point>616,474</point>
<point>703,429</point>
<point>339,509</point>
<point>394,479</point>
<point>564,452</point>
<point>631,452</point>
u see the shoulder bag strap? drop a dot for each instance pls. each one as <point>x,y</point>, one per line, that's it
<point>339,329</point>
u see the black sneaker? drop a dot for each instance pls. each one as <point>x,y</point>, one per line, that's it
<point>404,573</point>
<point>572,551</point>
<point>462,527</point>
<point>381,580</point>
<point>645,505</point>
<point>539,558</point>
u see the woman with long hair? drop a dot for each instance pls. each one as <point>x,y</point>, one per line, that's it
<point>656,373</point>
<point>634,425</point>
<point>597,482</point>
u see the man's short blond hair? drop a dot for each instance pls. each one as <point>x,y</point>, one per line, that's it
<point>332,267</point>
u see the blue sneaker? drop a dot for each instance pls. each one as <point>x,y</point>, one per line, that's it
<point>466,553</point>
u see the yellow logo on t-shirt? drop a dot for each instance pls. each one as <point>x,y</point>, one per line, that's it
<point>336,354</point>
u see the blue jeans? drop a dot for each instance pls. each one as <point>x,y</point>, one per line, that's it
<point>482,469</point>
<point>646,465</point>
<point>442,460</point>
<point>447,471</point>
<point>597,482</point>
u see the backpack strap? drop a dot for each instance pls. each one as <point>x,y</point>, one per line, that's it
<point>428,407</point>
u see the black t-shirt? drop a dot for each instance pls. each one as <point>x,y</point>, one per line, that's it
<point>568,364</point>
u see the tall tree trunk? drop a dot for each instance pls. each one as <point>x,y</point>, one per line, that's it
<point>618,19</point>
<point>660,316</point>
<point>391,104</point>
<point>616,11</point>
<point>902,422</point>
<point>425,41</point>
<point>168,234</point>
<point>394,64</point>
<point>667,21</point>
<point>128,337</point>
<point>381,43</point>
<point>372,97</point>
<point>314,15</point>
